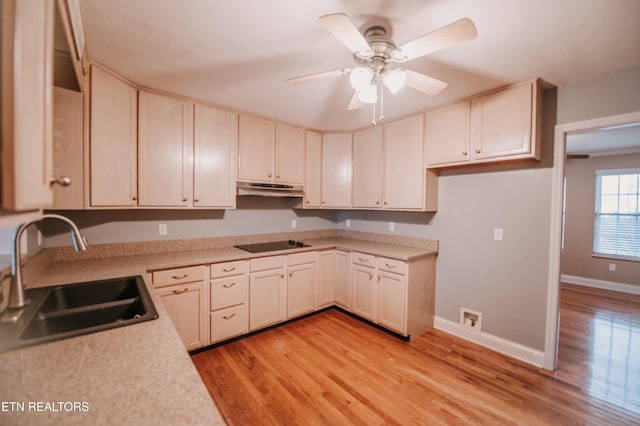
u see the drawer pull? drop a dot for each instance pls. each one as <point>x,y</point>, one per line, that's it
<point>229,269</point>
<point>390,266</point>
<point>228,317</point>
<point>179,277</point>
<point>379,277</point>
<point>363,260</point>
<point>290,274</point>
<point>370,276</point>
<point>184,290</point>
<point>229,285</point>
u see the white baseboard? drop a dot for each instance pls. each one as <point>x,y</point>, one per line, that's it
<point>605,285</point>
<point>498,344</point>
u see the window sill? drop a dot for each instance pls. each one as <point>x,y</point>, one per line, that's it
<point>616,256</point>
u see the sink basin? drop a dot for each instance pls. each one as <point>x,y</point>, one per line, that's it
<point>64,311</point>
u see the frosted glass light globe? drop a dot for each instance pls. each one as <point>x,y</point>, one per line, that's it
<point>360,78</point>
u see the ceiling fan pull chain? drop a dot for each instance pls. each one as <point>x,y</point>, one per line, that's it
<point>373,120</point>
<point>381,102</point>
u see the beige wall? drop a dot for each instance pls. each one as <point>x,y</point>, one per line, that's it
<point>576,257</point>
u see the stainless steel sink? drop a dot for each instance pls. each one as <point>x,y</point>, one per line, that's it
<point>60,312</point>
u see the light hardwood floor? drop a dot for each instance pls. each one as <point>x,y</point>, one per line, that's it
<point>334,369</point>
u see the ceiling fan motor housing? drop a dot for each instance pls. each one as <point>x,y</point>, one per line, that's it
<point>382,47</point>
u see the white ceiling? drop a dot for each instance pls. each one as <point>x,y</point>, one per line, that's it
<point>239,53</point>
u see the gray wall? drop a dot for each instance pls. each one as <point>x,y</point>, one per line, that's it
<point>578,235</point>
<point>254,215</point>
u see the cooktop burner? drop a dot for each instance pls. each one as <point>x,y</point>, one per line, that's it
<point>272,246</point>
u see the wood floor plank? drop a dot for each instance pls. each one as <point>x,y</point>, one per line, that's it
<point>331,368</point>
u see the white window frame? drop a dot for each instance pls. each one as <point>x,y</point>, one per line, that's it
<point>599,174</point>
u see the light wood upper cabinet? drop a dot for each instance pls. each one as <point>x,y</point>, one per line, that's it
<point>256,146</point>
<point>289,154</point>
<point>270,152</point>
<point>113,144</point>
<point>503,125</point>
<point>336,170</point>
<point>68,149</point>
<point>448,133</point>
<point>313,170</point>
<point>407,184</point>
<point>27,34</point>
<point>165,151</point>
<point>215,151</point>
<point>367,168</point>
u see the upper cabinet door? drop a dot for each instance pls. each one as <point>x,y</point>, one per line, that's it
<point>367,168</point>
<point>503,122</point>
<point>113,144</point>
<point>336,170</point>
<point>256,145</point>
<point>404,164</point>
<point>448,134</point>
<point>27,34</point>
<point>165,150</point>
<point>313,170</point>
<point>289,154</point>
<point>215,150</point>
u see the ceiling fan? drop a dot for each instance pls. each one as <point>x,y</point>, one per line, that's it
<point>374,52</point>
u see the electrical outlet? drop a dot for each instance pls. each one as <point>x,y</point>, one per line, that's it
<point>471,319</point>
<point>612,267</point>
<point>392,226</point>
<point>39,238</point>
<point>497,234</point>
<point>162,229</point>
<point>348,223</point>
<point>293,223</point>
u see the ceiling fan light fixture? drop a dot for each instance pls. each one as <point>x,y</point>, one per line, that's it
<point>368,94</point>
<point>360,78</point>
<point>395,79</point>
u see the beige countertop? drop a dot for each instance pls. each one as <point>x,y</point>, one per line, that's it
<point>138,374</point>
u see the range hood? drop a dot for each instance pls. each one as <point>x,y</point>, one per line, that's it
<point>269,189</point>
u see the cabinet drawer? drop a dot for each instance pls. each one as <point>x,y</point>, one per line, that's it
<point>301,258</point>
<point>229,291</point>
<point>363,259</point>
<point>392,265</point>
<point>227,323</point>
<point>178,276</point>
<point>264,263</point>
<point>228,268</point>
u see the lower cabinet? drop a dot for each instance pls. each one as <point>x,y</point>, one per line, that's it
<point>184,296</point>
<point>267,291</point>
<point>228,300</point>
<point>343,280</point>
<point>302,283</point>
<point>365,286</point>
<point>396,294</point>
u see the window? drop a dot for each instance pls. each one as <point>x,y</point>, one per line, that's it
<point>617,216</point>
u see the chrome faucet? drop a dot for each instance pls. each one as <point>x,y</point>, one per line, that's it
<point>16,290</point>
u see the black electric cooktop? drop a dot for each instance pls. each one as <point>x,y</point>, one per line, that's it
<point>272,246</point>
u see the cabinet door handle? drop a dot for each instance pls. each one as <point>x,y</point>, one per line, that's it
<point>185,199</point>
<point>179,277</point>
<point>290,274</point>
<point>184,290</point>
<point>228,317</point>
<point>62,181</point>
<point>477,150</point>
<point>229,269</point>
<point>196,200</point>
<point>281,275</point>
<point>269,175</point>
<point>277,176</point>
<point>370,276</point>
<point>134,198</point>
<point>229,285</point>
<point>390,266</point>
<point>362,260</point>
<point>379,277</point>
<point>464,152</point>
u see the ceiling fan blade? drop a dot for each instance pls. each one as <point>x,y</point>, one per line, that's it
<point>449,35</point>
<point>343,29</point>
<point>355,102</point>
<point>425,84</point>
<point>319,76</point>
